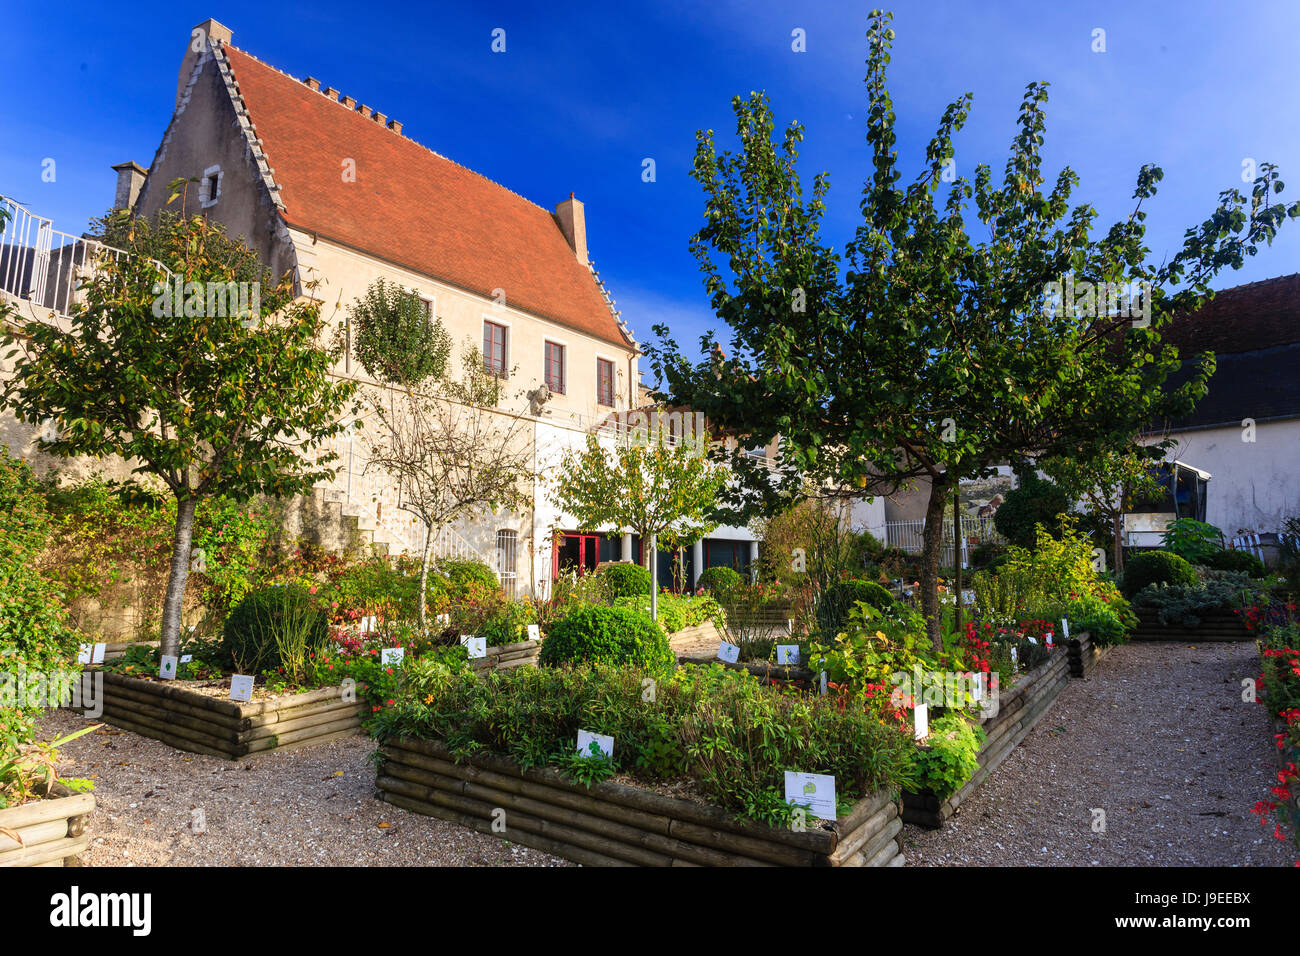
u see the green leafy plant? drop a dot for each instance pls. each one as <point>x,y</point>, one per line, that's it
<point>397,337</point>
<point>626,580</point>
<point>718,580</point>
<point>1035,502</point>
<point>950,754</point>
<point>275,626</point>
<point>842,596</point>
<point>29,773</point>
<point>1231,560</point>
<point>611,635</point>
<point>1194,541</point>
<point>1157,567</point>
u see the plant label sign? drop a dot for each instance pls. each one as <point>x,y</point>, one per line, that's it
<point>977,687</point>
<point>1033,640</point>
<point>813,790</point>
<point>392,656</point>
<point>1048,638</point>
<point>241,687</point>
<point>91,653</point>
<point>369,624</point>
<point>1065,629</point>
<point>167,669</point>
<point>921,721</point>
<point>728,652</point>
<point>1014,656</point>
<point>477,645</point>
<point>534,632</point>
<point>187,658</point>
<point>603,742</point>
<point>444,620</point>
<point>787,653</point>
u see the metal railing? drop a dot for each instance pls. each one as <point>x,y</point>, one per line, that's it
<point>46,267</point>
<point>909,536</point>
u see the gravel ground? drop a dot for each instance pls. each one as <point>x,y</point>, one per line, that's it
<point>309,807</point>
<point>1160,740</point>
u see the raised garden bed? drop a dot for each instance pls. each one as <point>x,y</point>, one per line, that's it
<point>53,830</point>
<point>196,723</point>
<point>611,824</point>
<point>506,656</point>
<point>1085,655</point>
<point>1019,709</point>
<point>1214,626</point>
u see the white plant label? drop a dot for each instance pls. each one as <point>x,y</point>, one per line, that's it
<point>444,620</point>
<point>813,790</point>
<point>1014,656</point>
<point>1048,637</point>
<point>1065,629</point>
<point>921,721</point>
<point>534,632</point>
<point>477,645</point>
<point>603,742</point>
<point>241,687</point>
<point>977,687</point>
<point>167,669</point>
<point>369,624</point>
<point>787,653</point>
<point>187,658</point>
<point>392,656</point>
<point>728,652</point>
<point>1033,640</point>
<point>91,653</point>
<point>823,683</point>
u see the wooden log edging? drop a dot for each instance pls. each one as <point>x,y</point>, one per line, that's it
<point>1215,626</point>
<point>612,824</point>
<point>506,656</point>
<point>53,831</point>
<point>1018,712</point>
<point>1085,655</point>
<point>197,723</point>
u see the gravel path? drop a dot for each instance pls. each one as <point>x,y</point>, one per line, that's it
<point>1160,740</point>
<point>313,807</point>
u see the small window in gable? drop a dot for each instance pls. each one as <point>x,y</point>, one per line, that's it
<point>210,187</point>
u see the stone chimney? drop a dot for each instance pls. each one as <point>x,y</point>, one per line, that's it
<point>201,36</point>
<point>130,177</point>
<point>573,223</point>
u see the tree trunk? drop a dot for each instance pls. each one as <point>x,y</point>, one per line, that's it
<point>654,580</point>
<point>424,577</point>
<point>932,547</point>
<point>180,572</point>
<point>1117,539</point>
<point>957,550</point>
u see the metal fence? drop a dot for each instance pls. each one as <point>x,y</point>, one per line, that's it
<point>909,536</point>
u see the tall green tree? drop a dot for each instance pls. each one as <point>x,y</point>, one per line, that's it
<point>935,345</point>
<point>208,398</point>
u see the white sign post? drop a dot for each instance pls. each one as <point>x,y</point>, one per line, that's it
<point>814,790</point>
<point>241,687</point>
<point>167,669</point>
<point>1065,630</point>
<point>534,632</point>
<point>91,653</point>
<point>477,645</point>
<point>392,656</point>
<point>728,652</point>
<point>787,653</point>
<point>921,721</point>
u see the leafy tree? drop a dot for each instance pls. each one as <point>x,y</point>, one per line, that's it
<point>211,401</point>
<point>397,339</point>
<point>452,451</point>
<point>1033,503</point>
<point>932,352</point>
<point>662,491</point>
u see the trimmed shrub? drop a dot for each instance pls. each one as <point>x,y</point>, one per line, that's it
<point>1156,567</point>
<point>610,635</point>
<point>268,616</point>
<point>718,580</point>
<point>841,597</point>
<point>1035,502</point>
<point>1227,560</point>
<point>626,580</point>
<point>460,574</point>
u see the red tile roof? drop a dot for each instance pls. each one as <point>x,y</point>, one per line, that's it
<point>1246,318</point>
<point>413,207</point>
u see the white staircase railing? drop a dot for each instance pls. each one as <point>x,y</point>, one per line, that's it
<point>44,266</point>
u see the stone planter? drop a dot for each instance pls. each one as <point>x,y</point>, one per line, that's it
<point>53,830</point>
<point>1019,710</point>
<point>1085,655</point>
<point>217,727</point>
<point>610,824</point>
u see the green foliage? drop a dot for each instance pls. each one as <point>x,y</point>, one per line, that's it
<point>1232,560</point>
<point>461,574</point>
<point>1059,569</point>
<point>626,580</point>
<point>1036,502</point>
<point>1181,605</point>
<point>508,622</point>
<point>274,626</point>
<point>677,612</point>
<point>1107,622</point>
<point>842,596</point>
<point>950,755</point>
<point>397,340</point>
<point>1156,567</point>
<point>29,773</point>
<point>611,635</point>
<point>730,736</point>
<point>718,580</point>
<point>1194,541</point>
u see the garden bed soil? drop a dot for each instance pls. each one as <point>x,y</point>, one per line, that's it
<point>52,830</point>
<point>1019,710</point>
<point>612,824</point>
<point>1214,626</point>
<point>190,720</point>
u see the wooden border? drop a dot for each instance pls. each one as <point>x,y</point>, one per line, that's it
<point>1085,656</point>
<point>503,657</point>
<point>53,831</point>
<point>1215,626</point>
<point>222,728</point>
<point>1018,712</point>
<point>610,824</point>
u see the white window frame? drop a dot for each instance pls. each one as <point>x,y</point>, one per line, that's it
<point>207,201</point>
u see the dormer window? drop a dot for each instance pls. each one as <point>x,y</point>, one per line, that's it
<point>210,187</point>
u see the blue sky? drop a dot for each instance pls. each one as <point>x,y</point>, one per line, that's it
<point>585,92</point>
